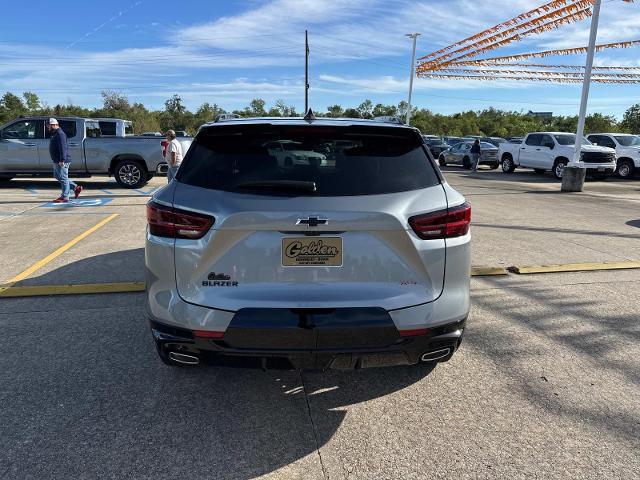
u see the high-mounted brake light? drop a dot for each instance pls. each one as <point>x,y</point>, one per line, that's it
<point>170,222</point>
<point>453,222</point>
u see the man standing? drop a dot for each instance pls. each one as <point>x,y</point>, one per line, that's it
<point>475,155</point>
<point>174,155</point>
<point>59,152</point>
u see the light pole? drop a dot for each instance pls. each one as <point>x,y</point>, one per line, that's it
<point>413,36</point>
<point>573,174</point>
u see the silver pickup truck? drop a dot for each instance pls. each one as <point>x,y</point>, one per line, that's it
<point>132,160</point>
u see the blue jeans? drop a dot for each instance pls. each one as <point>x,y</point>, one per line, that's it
<point>62,175</point>
<point>171,173</point>
<point>475,157</point>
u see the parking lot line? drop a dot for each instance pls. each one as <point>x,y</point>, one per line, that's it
<point>41,263</point>
<point>575,267</point>
<point>80,289</point>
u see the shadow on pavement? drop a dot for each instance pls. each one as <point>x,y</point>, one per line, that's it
<point>121,266</point>
<point>555,323</point>
<point>84,395</point>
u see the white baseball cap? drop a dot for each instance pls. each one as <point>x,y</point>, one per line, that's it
<point>53,121</point>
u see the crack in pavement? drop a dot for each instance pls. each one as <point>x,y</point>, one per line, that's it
<point>313,425</point>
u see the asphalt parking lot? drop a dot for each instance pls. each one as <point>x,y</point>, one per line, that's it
<point>545,385</point>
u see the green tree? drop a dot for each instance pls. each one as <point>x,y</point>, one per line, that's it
<point>631,119</point>
<point>335,111</point>
<point>32,102</point>
<point>11,106</point>
<point>365,109</point>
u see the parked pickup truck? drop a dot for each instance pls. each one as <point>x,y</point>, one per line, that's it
<point>552,151</point>
<point>627,150</point>
<point>132,160</point>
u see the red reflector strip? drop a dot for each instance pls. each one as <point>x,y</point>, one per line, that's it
<point>417,332</point>
<point>207,334</point>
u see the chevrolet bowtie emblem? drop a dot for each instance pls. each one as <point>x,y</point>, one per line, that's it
<point>312,221</point>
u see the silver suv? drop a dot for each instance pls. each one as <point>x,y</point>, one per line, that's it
<point>357,261</point>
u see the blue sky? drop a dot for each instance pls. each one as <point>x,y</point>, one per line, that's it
<point>229,52</point>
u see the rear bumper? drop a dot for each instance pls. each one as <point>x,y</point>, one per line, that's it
<point>277,346</point>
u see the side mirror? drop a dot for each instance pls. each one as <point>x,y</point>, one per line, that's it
<point>552,146</point>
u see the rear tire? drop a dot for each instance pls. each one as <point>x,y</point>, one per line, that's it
<point>130,174</point>
<point>507,164</point>
<point>466,163</point>
<point>626,169</point>
<point>442,161</point>
<point>558,168</point>
<point>539,171</point>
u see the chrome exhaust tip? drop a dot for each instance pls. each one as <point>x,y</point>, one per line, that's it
<point>184,358</point>
<point>435,355</point>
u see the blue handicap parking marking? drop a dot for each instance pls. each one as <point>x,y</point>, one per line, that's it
<point>87,202</point>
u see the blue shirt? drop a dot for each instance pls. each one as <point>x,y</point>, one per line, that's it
<point>59,147</point>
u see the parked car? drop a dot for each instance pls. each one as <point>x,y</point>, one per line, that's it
<point>515,139</point>
<point>552,151</point>
<point>133,161</point>
<point>362,263</point>
<point>152,134</point>
<point>114,127</point>
<point>290,153</point>
<point>460,154</point>
<point>451,141</point>
<point>495,141</point>
<point>181,133</point>
<point>435,144</point>
<point>627,149</point>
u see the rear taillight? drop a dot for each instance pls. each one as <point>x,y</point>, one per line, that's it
<point>207,334</point>
<point>170,222</point>
<point>453,222</point>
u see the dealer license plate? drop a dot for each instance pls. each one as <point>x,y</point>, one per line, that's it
<point>312,251</point>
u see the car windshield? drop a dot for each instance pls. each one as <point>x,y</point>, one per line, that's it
<point>570,139</point>
<point>628,140</point>
<point>350,160</point>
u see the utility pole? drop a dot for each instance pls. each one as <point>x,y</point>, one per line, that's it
<point>306,72</point>
<point>574,175</point>
<point>413,36</point>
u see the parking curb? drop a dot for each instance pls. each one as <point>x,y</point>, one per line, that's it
<point>71,289</point>
<point>486,271</point>
<point>574,267</point>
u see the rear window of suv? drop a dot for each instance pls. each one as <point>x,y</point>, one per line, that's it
<point>340,161</point>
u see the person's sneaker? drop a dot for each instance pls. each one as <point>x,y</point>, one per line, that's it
<point>61,200</point>
<point>77,191</point>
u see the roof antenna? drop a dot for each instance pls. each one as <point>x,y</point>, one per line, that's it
<point>309,116</point>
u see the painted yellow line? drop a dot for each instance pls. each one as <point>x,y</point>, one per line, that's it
<point>575,267</point>
<point>484,271</point>
<point>79,289</point>
<point>41,263</point>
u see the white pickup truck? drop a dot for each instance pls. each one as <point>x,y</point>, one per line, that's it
<point>627,150</point>
<point>544,151</point>
<point>132,160</point>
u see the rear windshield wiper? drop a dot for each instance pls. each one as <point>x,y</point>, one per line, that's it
<point>279,185</point>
